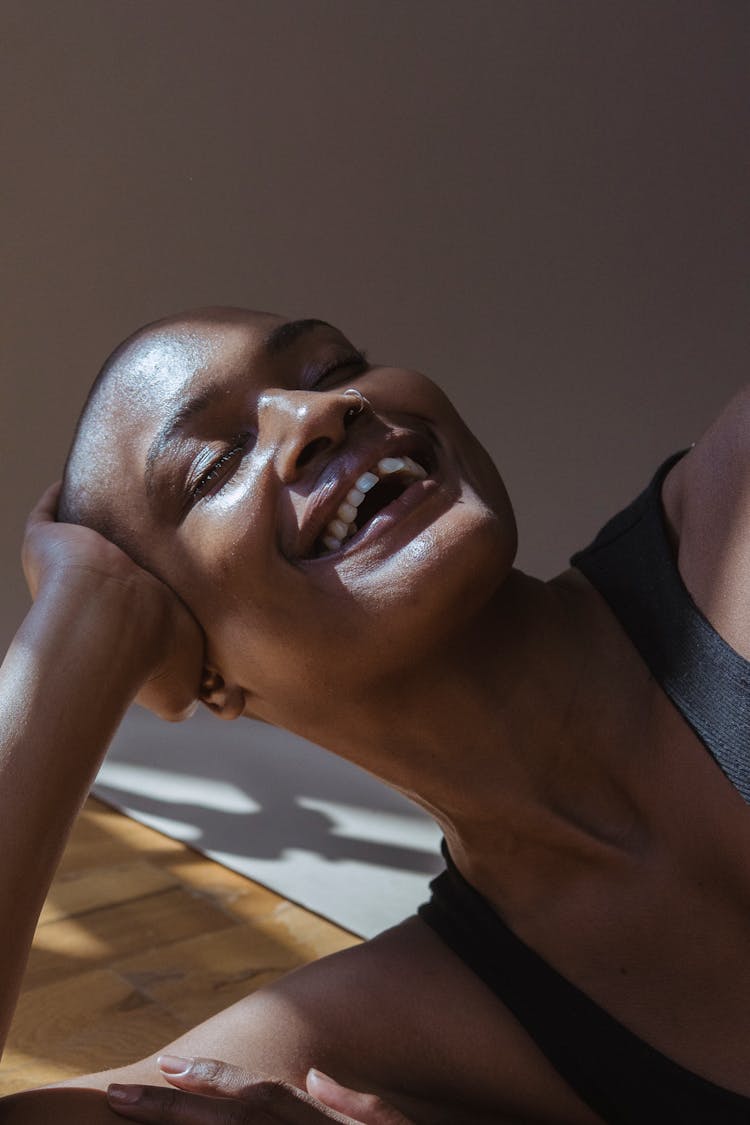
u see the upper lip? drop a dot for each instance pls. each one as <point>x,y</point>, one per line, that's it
<point>340,474</point>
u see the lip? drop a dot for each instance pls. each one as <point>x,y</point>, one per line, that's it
<point>339,477</point>
<point>392,526</point>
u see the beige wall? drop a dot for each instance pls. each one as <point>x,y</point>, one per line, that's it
<point>542,203</point>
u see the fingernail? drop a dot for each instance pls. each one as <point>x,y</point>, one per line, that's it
<point>175,1065</point>
<point>314,1075</point>
<point>126,1095</point>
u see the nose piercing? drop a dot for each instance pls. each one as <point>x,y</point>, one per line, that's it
<point>359,405</point>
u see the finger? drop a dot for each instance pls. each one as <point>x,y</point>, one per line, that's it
<point>206,1076</point>
<point>162,1105</point>
<point>262,1102</point>
<point>366,1109</point>
<point>212,1076</point>
<point>42,513</point>
<point>46,506</point>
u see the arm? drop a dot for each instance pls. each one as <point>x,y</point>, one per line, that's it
<point>100,629</point>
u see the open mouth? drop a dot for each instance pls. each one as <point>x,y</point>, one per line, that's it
<point>373,491</point>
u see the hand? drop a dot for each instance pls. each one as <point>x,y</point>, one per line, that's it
<point>215,1093</point>
<point>80,563</point>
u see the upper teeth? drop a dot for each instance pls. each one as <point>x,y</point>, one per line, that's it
<point>343,525</point>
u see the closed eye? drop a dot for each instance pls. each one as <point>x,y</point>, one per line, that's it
<point>218,470</point>
<point>318,376</point>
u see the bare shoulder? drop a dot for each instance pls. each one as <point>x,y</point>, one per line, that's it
<point>400,1016</point>
<point>706,499</point>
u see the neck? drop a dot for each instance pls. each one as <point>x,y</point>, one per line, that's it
<point>509,737</point>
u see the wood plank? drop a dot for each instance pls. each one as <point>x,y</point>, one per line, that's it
<point>37,1072</point>
<point>72,945</point>
<point>143,938</point>
<point>50,1014</point>
<point>127,830</point>
<point>99,839</point>
<point>84,856</point>
<point>93,1020</point>
<point>220,883</point>
<point>82,891</point>
<point>115,1042</point>
<point>196,978</point>
<point>307,936</point>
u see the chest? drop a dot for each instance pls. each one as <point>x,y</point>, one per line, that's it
<point>663,944</point>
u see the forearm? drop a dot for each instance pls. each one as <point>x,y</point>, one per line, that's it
<point>69,675</point>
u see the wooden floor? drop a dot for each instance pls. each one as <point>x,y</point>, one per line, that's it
<point>140,939</point>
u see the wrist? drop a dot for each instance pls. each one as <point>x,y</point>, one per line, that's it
<point>97,617</point>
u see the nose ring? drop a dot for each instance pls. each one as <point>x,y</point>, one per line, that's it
<point>359,405</point>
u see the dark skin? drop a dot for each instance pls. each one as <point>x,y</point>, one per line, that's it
<point>580,805</point>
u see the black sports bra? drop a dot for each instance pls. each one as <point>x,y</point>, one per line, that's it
<point>632,566</point>
<point>621,1077</point>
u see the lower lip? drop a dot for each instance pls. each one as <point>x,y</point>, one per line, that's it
<point>388,520</point>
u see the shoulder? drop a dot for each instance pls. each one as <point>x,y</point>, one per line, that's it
<point>706,500</point>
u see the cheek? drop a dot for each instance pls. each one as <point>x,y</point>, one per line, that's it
<point>252,632</point>
<point>419,398</point>
<point>286,678</point>
<point>236,647</point>
<point>222,562</point>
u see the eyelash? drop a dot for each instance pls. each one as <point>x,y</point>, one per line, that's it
<point>215,467</point>
<point>355,359</point>
<point>317,375</point>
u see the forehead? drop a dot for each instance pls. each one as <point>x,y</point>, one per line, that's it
<point>145,382</point>
<point>157,368</point>
<point>161,382</point>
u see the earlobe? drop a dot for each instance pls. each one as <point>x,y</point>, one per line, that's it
<point>225,700</point>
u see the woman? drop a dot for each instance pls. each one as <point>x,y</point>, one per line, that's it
<point>255,516</point>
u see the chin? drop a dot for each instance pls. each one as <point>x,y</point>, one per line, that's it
<point>437,584</point>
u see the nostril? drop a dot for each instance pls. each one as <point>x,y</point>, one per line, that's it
<point>311,449</point>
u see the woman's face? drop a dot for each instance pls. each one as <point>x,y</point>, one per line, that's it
<point>322,547</point>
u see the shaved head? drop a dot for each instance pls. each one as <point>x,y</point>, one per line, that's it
<point>217,449</point>
<point>143,359</point>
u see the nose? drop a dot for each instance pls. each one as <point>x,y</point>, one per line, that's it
<point>301,425</point>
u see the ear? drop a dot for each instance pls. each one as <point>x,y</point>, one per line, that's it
<point>225,700</point>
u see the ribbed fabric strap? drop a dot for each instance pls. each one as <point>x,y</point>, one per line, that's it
<point>631,565</point>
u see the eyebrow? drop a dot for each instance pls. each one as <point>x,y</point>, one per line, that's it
<point>279,340</point>
<point>284,335</point>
